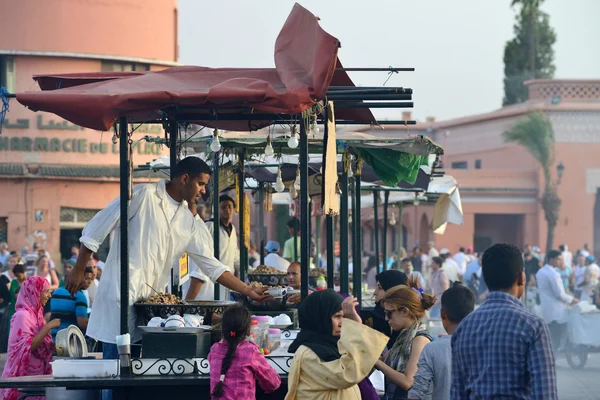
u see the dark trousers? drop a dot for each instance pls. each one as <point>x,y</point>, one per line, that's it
<point>557,332</point>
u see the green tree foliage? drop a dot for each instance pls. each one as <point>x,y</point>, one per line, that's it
<point>529,55</point>
<point>535,134</point>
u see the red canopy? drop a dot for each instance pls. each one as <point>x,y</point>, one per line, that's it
<point>305,64</point>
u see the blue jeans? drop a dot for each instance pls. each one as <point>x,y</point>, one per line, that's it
<point>109,352</point>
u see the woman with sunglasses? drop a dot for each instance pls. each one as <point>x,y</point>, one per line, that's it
<point>404,306</point>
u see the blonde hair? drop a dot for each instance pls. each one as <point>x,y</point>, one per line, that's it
<point>39,260</point>
<point>410,296</point>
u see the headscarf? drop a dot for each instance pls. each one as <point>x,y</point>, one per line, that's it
<point>376,318</point>
<point>390,278</point>
<point>25,325</point>
<point>316,329</point>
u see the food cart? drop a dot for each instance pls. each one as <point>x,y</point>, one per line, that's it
<point>300,90</point>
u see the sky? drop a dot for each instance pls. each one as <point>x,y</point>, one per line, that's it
<point>456,46</point>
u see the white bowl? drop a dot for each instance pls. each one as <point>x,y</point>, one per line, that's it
<point>156,321</point>
<point>174,321</point>
<point>277,292</point>
<point>192,321</point>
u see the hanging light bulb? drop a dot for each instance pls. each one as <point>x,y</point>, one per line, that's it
<point>279,186</point>
<point>416,201</point>
<point>314,128</point>
<point>297,181</point>
<point>393,219</point>
<point>269,148</point>
<point>293,141</point>
<point>293,191</point>
<point>215,146</point>
<point>115,138</point>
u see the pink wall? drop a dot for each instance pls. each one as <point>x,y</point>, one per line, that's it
<point>131,28</point>
<point>24,196</point>
<point>86,139</point>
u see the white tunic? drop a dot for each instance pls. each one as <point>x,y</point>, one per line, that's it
<point>229,253</point>
<point>155,245</point>
<point>555,301</point>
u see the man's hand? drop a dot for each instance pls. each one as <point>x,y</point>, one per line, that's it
<point>74,280</point>
<point>349,307</point>
<point>574,302</point>
<point>259,295</point>
<point>296,298</point>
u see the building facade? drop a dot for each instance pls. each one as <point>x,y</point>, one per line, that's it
<point>501,183</point>
<point>54,176</point>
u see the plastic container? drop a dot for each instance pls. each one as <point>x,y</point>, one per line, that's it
<point>84,368</point>
<point>255,333</point>
<point>274,338</point>
<point>263,324</point>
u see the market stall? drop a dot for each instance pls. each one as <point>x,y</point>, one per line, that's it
<point>299,91</point>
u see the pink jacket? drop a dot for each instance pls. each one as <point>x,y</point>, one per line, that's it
<point>248,367</point>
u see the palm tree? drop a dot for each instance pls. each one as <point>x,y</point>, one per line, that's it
<point>535,134</point>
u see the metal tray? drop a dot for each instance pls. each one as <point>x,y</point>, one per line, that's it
<point>269,279</point>
<point>204,308</point>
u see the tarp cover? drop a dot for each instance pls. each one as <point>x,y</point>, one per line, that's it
<point>305,64</point>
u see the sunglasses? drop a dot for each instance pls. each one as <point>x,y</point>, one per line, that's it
<point>389,313</point>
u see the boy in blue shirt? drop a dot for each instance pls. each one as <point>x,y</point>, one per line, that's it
<point>71,310</point>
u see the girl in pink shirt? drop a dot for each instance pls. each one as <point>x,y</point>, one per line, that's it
<point>236,364</point>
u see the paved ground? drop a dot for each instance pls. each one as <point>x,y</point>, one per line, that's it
<point>579,384</point>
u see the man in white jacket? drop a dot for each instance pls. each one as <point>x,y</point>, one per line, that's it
<point>161,229</point>
<point>555,302</point>
<point>200,287</point>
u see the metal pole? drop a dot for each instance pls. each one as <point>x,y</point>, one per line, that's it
<point>296,258</point>
<point>317,238</point>
<point>309,231</point>
<point>261,221</point>
<point>385,229</point>
<point>173,133</point>
<point>376,227</point>
<point>304,250</point>
<point>124,175</point>
<point>242,235</point>
<point>330,250</point>
<point>352,234</point>
<point>357,263</point>
<point>344,231</point>
<point>216,222</point>
<point>400,239</point>
<point>388,69</point>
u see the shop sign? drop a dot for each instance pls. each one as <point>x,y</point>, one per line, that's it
<point>56,145</point>
<point>51,125</point>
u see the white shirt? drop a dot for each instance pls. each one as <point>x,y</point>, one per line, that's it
<point>229,253</point>
<point>276,261</point>
<point>555,301</point>
<point>450,267</point>
<point>568,257</point>
<point>207,291</point>
<point>461,260</point>
<point>91,292</point>
<point>156,243</point>
<point>579,276</point>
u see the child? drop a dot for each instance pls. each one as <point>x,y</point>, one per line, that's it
<point>236,364</point>
<point>433,377</point>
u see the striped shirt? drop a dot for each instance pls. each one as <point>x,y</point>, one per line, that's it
<point>67,308</point>
<point>502,351</point>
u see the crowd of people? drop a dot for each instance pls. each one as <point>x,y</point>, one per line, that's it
<point>17,267</point>
<point>338,346</point>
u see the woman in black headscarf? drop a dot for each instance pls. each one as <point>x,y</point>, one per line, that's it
<point>329,361</point>
<point>376,318</point>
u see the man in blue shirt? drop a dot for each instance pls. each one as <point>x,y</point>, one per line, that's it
<point>71,310</point>
<point>501,350</point>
